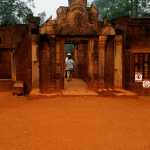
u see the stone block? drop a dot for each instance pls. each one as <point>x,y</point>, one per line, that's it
<point>44,72</point>
<point>105,92</point>
<point>129,30</point>
<point>117,90</point>
<point>45,63</point>
<point>136,30</point>
<point>44,81</point>
<point>131,95</point>
<point>111,91</point>
<point>45,54</point>
<point>43,89</point>
<point>46,46</point>
<point>18,88</point>
<point>51,90</point>
<point>100,92</point>
<point>119,95</point>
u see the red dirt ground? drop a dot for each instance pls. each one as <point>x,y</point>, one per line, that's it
<point>74,123</point>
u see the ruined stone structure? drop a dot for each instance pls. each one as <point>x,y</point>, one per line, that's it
<point>16,54</point>
<point>106,54</point>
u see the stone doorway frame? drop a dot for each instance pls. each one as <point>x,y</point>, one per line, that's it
<point>90,62</point>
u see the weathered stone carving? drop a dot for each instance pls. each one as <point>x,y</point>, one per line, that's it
<point>77,20</point>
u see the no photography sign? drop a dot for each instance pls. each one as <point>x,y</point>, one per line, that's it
<point>138,77</point>
<point>146,83</point>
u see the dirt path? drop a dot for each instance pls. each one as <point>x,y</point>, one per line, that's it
<point>74,123</point>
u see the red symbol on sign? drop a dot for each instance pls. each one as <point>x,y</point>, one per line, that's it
<point>146,84</point>
<point>138,77</point>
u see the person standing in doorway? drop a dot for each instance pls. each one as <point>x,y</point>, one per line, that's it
<point>65,68</point>
<point>69,67</point>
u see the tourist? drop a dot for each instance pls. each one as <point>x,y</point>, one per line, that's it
<point>69,67</point>
<point>65,61</point>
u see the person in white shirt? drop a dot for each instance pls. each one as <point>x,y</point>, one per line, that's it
<point>65,61</point>
<point>69,67</point>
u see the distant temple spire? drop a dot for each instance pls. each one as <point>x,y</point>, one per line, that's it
<point>74,1</point>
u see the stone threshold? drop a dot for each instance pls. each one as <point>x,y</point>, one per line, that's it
<point>116,93</point>
<point>35,93</point>
<point>79,92</point>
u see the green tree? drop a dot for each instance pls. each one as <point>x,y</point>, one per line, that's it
<point>68,47</point>
<point>15,11</point>
<point>111,9</point>
<point>42,16</point>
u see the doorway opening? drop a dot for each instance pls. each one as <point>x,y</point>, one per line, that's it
<point>79,53</point>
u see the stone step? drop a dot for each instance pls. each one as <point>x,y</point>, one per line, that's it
<point>78,93</point>
<point>111,91</point>
<point>42,96</point>
<point>131,95</point>
<point>35,94</point>
<point>116,93</point>
<point>120,95</point>
<point>105,92</point>
<point>120,90</point>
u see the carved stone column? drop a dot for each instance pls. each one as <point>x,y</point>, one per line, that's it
<point>75,60</point>
<point>58,63</point>
<point>35,63</point>
<point>101,61</point>
<point>90,63</point>
<point>118,61</point>
<point>13,65</point>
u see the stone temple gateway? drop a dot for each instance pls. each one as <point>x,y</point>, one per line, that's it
<point>107,54</point>
<point>77,24</point>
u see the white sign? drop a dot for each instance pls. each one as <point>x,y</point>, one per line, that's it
<point>138,77</point>
<point>146,84</point>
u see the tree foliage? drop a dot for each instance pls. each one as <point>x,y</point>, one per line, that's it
<point>14,11</point>
<point>68,47</point>
<point>42,16</point>
<point>111,9</point>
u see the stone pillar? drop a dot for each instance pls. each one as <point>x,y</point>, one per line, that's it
<point>35,63</point>
<point>101,61</point>
<point>75,60</point>
<point>58,63</point>
<point>13,65</point>
<point>90,59</point>
<point>118,61</point>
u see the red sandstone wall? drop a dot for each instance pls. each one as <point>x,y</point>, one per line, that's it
<point>5,65</point>
<point>138,39</point>
<point>16,36</point>
<point>22,63</point>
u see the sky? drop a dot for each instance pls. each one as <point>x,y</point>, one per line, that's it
<point>50,7</point>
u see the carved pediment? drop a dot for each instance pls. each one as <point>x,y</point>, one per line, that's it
<point>107,28</point>
<point>49,27</point>
<point>72,30</point>
<point>75,20</point>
